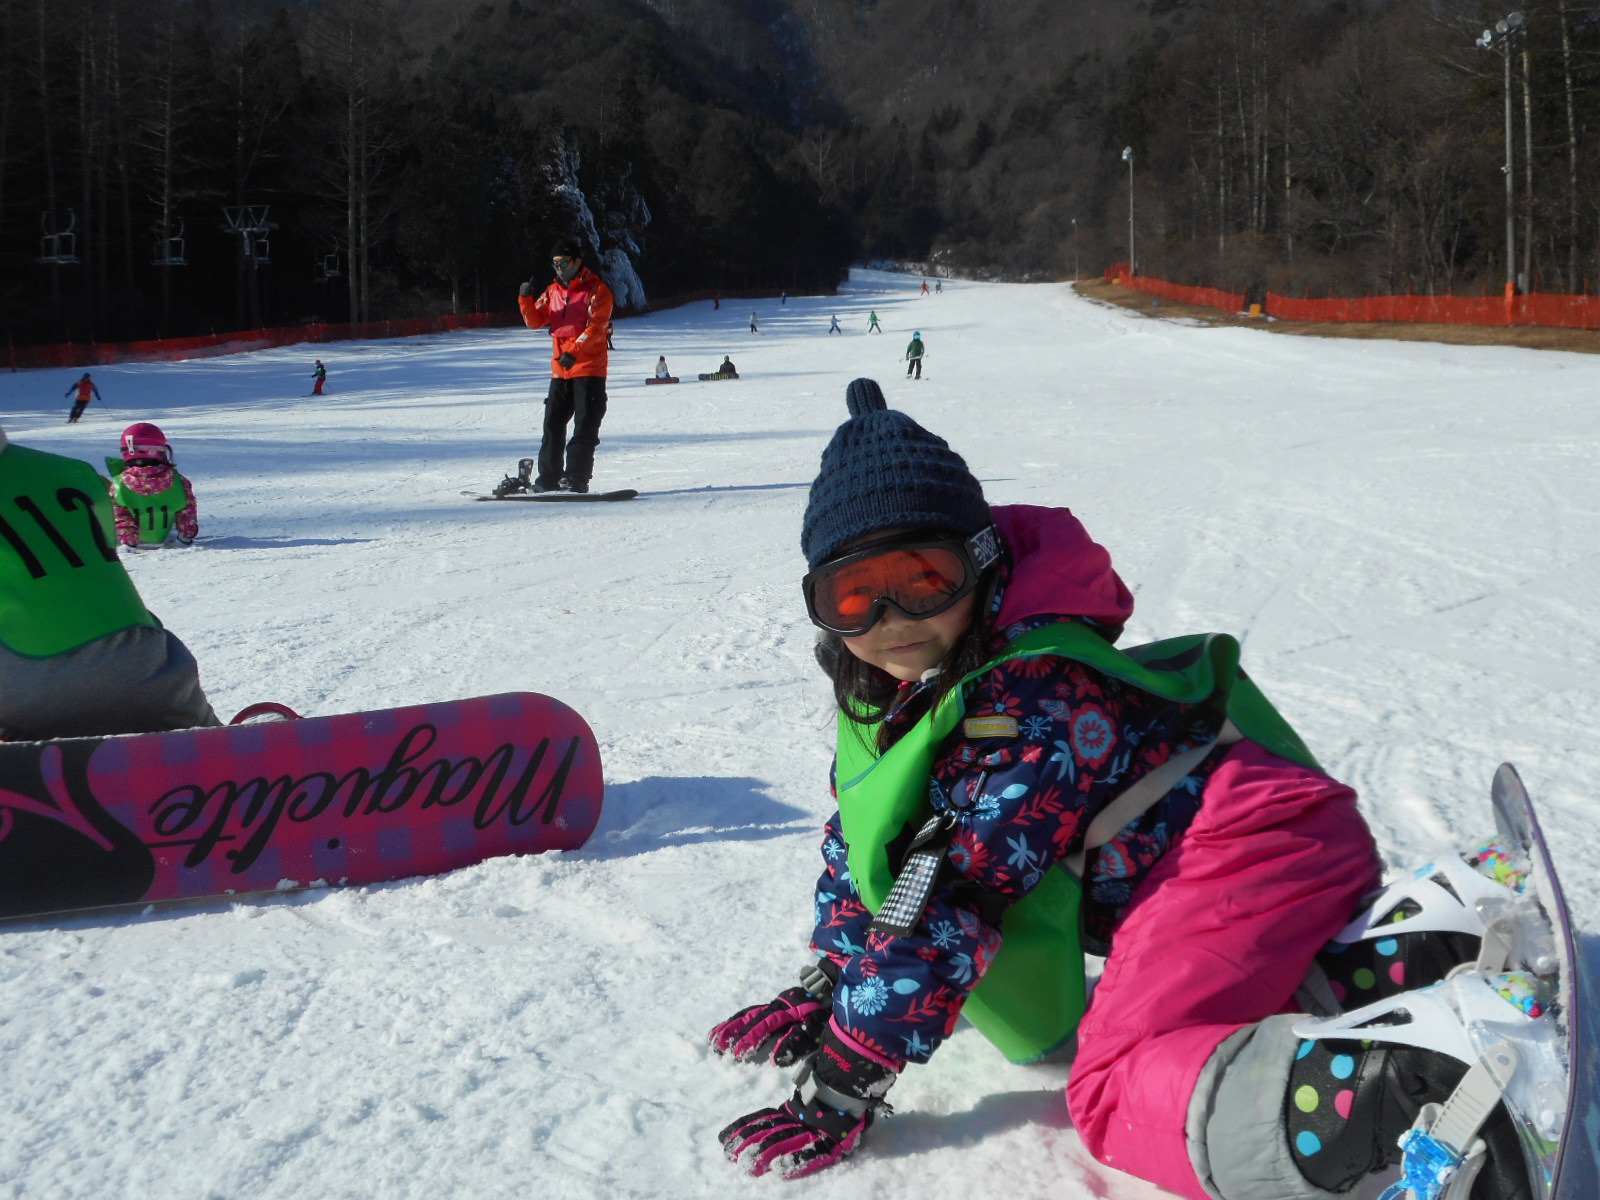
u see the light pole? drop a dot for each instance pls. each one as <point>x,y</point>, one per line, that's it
<point>1500,38</point>
<point>1074,249</point>
<point>1127,157</point>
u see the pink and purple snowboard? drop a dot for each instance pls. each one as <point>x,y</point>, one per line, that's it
<point>352,799</point>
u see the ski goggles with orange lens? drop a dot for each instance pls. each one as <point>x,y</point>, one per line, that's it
<point>916,575</point>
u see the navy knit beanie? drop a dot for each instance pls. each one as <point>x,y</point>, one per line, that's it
<point>568,247</point>
<point>884,471</point>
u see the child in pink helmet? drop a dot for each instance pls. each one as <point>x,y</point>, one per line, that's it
<point>154,504</point>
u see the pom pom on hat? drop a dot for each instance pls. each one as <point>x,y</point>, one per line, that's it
<point>884,471</point>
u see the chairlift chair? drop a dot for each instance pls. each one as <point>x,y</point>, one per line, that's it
<point>58,247</point>
<point>169,251</point>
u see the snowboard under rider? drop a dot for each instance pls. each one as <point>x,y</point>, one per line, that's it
<point>152,502</point>
<point>80,654</point>
<point>576,308</point>
<point>994,748</point>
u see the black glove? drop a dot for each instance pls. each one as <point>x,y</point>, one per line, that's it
<point>526,289</point>
<point>836,1101</point>
<point>566,361</point>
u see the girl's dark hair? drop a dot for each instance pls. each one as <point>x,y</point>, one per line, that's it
<point>865,693</point>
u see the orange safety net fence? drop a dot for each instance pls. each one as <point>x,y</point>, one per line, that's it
<point>1566,312</point>
<point>94,354</point>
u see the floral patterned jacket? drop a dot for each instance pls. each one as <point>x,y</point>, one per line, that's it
<point>150,481</point>
<point>1023,801</point>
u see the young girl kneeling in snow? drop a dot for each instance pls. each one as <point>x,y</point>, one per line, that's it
<point>994,749</point>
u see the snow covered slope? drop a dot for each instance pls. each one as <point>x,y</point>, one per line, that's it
<point>1405,536</point>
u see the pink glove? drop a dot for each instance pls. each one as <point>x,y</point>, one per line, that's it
<point>783,1031</point>
<point>797,1139</point>
<point>840,1090</point>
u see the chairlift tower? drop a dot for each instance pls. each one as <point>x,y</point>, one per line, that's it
<point>249,223</point>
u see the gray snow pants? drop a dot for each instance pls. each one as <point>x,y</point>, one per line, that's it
<point>139,680</point>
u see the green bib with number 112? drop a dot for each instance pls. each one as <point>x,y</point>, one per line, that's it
<point>61,584</point>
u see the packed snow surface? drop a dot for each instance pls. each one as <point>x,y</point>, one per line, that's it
<point>1405,536</point>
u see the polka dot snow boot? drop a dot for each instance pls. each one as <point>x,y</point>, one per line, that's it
<point>1462,1083</point>
<point>1468,909</point>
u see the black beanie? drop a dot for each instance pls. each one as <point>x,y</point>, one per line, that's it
<point>568,247</point>
<point>884,471</point>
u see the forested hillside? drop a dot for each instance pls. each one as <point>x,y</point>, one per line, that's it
<point>174,166</point>
<point>378,158</point>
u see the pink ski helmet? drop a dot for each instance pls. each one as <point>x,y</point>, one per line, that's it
<point>145,441</point>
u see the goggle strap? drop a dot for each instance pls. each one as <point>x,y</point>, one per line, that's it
<point>984,547</point>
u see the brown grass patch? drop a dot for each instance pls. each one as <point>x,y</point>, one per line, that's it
<point>1534,337</point>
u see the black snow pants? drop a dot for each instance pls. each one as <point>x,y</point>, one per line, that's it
<point>582,402</point>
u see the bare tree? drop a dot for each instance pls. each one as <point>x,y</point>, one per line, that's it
<point>351,43</point>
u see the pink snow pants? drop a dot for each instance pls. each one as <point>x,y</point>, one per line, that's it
<point>1217,937</point>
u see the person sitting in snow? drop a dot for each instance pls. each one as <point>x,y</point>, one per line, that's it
<point>727,369</point>
<point>1015,792</point>
<point>661,368</point>
<point>153,504</point>
<point>80,654</point>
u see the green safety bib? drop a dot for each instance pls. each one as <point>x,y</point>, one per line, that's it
<point>61,584</point>
<point>1032,996</point>
<point>156,512</point>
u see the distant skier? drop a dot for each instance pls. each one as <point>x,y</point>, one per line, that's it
<point>576,308</point>
<point>716,301</point>
<point>924,287</point>
<point>872,323</point>
<point>86,391</point>
<point>784,299</point>
<point>914,354</point>
<point>753,328</point>
<point>80,654</point>
<point>318,378</point>
<point>833,325</point>
<point>153,504</point>
<point>938,286</point>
